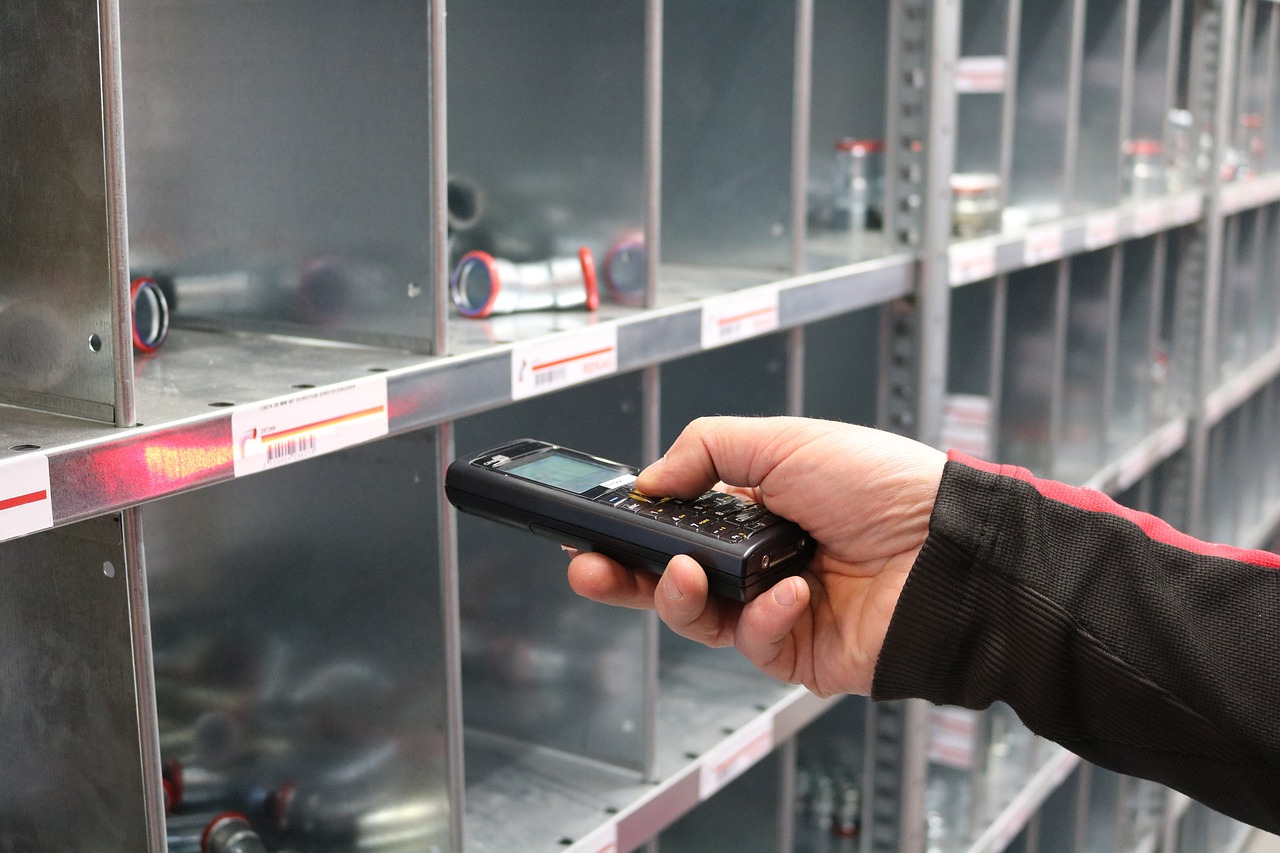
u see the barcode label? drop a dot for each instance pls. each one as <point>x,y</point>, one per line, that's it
<point>979,74</point>
<point>739,316</point>
<point>291,447</point>
<point>298,427</point>
<point>548,364</point>
<point>971,261</point>
<point>26,504</point>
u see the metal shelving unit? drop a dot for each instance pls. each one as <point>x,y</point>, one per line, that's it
<point>235,554</point>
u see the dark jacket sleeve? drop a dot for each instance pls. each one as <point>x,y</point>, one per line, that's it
<point>1138,648</point>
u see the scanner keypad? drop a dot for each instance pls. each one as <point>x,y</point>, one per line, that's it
<point>723,516</point>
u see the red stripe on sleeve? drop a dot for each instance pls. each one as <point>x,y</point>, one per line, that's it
<point>1091,500</point>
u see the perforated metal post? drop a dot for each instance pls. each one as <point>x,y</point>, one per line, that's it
<point>921,121</point>
<point>1199,283</point>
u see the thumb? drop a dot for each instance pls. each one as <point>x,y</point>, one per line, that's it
<point>764,633</point>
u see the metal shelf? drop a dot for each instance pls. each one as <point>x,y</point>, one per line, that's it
<point>189,392</point>
<point>531,798</point>
<point>985,257</point>
<point>1014,817</point>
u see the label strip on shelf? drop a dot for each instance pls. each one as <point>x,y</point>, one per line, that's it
<point>728,759</point>
<point>971,261</point>
<point>549,364</point>
<point>739,316</point>
<point>26,502</point>
<point>298,427</point>
<point>1042,245</point>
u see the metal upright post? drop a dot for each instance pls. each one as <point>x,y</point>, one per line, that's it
<point>1200,274</point>
<point>920,155</point>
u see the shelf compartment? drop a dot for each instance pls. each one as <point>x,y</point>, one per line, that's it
<point>846,102</point>
<point>541,665</point>
<point>983,91</point>
<point>265,184</point>
<point>1096,177</point>
<point>745,816</point>
<point>842,367</point>
<point>975,352</point>
<point>727,138</point>
<point>547,129</point>
<point>76,724</point>
<point>1032,358</point>
<point>1047,73</point>
<point>300,649</point>
<point>1140,399</point>
<point>831,759</point>
<point>751,379</point>
<point>1089,364</point>
<point>63,293</point>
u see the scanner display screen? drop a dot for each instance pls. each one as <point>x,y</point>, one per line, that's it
<point>564,472</point>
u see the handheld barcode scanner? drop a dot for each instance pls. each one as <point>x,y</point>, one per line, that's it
<point>589,503</point>
<point>482,285</point>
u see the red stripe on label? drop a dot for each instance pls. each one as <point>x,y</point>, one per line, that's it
<point>23,500</point>
<point>724,321</point>
<point>544,365</point>
<point>1090,500</point>
<point>285,433</point>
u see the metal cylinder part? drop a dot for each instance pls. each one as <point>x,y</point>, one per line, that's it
<point>149,307</point>
<point>482,285</point>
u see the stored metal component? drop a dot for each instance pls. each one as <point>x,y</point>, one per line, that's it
<point>625,269</point>
<point>150,314</point>
<point>975,205</point>
<point>1144,174</point>
<point>483,285</point>
<point>859,185</point>
<point>465,204</point>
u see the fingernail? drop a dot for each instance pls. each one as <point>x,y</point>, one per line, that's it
<point>572,552</point>
<point>673,590</point>
<point>785,593</point>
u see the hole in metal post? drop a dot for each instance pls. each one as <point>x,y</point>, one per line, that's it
<point>302,386</point>
<point>95,343</point>
<point>221,405</point>
<point>20,448</point>
<point>109,569</point>
<point>377,370</point>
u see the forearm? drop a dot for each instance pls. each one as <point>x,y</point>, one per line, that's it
<point>1129,643</point>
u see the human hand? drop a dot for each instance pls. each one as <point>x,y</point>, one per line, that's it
<point>864,495</point>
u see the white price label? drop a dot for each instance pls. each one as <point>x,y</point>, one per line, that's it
<point>978,74</point>
<point>1148,218</point>
<point>602,839</point>
<point>1187,208</point>
<point>298,427</point>
<point>549,364</point>
<point>951,737</point>
<point>1102,229</point>
<point>742,315</point>
<point>971,261</point>
<point>1042,245</point>
<point>25,502</point>
<point>731,757</point>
